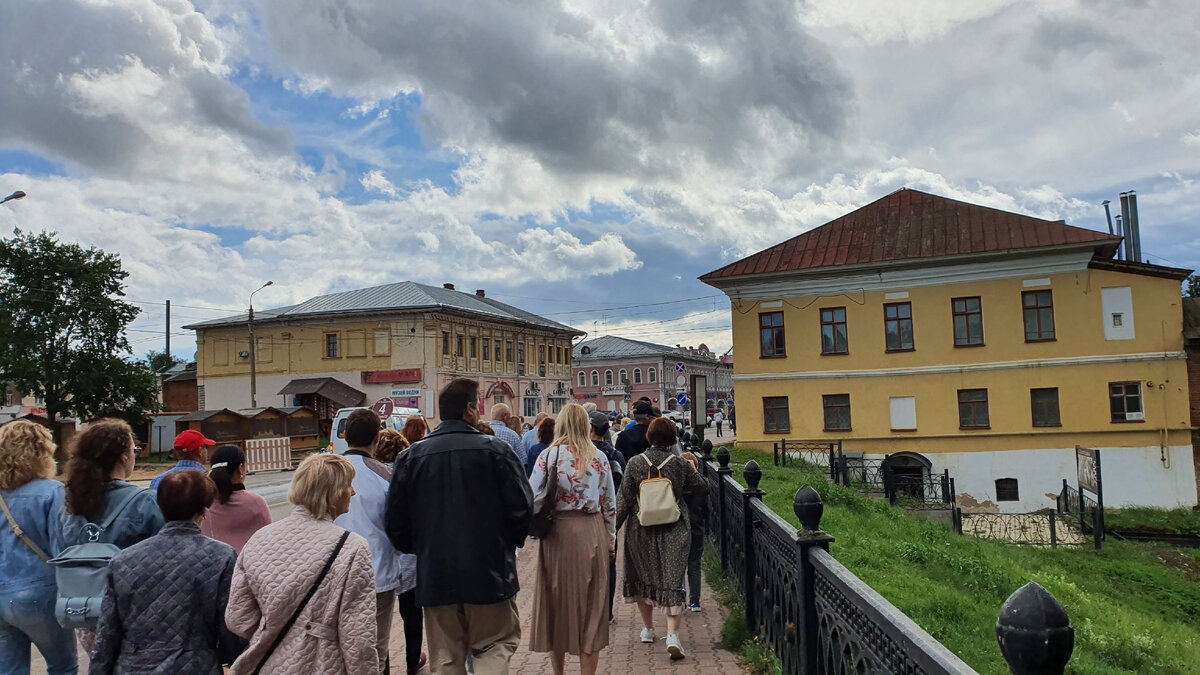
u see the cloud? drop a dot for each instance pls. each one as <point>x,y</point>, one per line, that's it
<point>558,254</point>
<point>374,181</point>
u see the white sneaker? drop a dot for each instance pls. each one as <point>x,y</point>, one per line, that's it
<point>674,648</point>
<point>648,635</point>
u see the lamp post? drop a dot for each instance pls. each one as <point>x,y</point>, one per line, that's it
<point>16,195</point>
<point>253,349</point>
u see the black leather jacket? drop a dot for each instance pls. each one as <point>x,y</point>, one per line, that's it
<point>461,502</point>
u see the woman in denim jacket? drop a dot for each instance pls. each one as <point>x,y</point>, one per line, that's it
<point>102,455</point>
<point>27,588</point>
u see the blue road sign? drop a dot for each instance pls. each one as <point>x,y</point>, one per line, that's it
<point>628,398</point>
<point>679,367</point>
<point>681,399</point>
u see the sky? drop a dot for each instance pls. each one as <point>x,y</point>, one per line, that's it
<point>582,159</point>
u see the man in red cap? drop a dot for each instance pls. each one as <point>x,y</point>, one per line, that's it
<point>191,447</point>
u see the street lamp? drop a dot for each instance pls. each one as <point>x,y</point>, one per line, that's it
<point>253,349</point>
<point>16,195</point>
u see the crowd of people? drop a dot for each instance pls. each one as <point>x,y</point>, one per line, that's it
<point>423,524</point>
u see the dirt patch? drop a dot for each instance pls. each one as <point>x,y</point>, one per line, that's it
<point>971,505</point>
<point>1178,561</point>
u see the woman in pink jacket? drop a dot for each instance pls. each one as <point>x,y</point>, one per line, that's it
<point>236,514</point>
<point>303,591</point>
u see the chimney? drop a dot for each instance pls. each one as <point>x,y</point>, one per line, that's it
<point>1107,214</point>
<point>1133,227</point>
<point>448,287</point>
<point>1125,222</point>
<point>1121,232</point>
<point>479,293</point>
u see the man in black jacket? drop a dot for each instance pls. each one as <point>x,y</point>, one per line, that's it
<point>632,441</point>
<point>461,502</point>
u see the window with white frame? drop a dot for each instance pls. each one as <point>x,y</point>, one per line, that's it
<point>582,379</point>
<point>595,379</point>
<point>608,378</point>
<point>637,375</point>
<point>653,374</point>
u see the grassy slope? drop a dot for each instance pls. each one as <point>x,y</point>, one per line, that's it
<point>1131,611</point>
<point>1182,521</point>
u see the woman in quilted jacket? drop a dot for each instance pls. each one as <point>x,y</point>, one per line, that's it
<point>305,567</point>
<point>164,608</point>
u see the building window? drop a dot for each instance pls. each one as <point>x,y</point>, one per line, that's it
<point>837,411</point>
<point>520,358</point>
<point>541,354</point>
<point>595,379</point>
<point>624,374</point>
<point>770,330</point>
<point>582,379</point>
<point>973,409</point>
<point>474,344</point>
<point>637,375</point>
<point>775,414</point>
<point>898,326</point>
<point>445,343</point>
<point>560,355</point>
<point>833,331</point>
<point>1039,315</point>
<point>331,345</point>
<point>1045,407</point>
<point>608,378</point>
<point>533,406</point>
<point>653,375</point>
<point>968,322</point>
<point>458,345</point>
<point>904,413</point>
<point>1006,490</point>
<point>487,349</point>
<point>508,353</point>
<point>1125,401</point>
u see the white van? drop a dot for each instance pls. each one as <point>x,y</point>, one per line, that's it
<point>337,438</point>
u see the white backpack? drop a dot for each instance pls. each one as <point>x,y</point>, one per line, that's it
<point>656,499</point>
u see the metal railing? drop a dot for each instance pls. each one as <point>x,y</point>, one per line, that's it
<point>926,491</point>
<point>1082,510</point>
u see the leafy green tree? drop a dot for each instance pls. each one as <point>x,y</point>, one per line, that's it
<point>160,361</point>
<point>62,329</point>
<point>1191,286</point>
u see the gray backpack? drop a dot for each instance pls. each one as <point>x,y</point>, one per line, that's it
<point>82,573</point>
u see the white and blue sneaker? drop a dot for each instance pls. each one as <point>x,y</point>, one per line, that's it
<point>695,607</point>
<point>648,635</point>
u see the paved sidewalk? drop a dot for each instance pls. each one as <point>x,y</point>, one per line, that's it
<point>625,655</point>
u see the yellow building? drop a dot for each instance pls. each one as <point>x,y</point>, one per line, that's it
<point>402,341</point>
<point>980,341</point>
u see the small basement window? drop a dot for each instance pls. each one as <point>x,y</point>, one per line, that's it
<point>1006,490</point>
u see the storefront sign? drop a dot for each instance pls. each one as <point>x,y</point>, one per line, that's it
<point>404,375</point>
<point>406,393</point>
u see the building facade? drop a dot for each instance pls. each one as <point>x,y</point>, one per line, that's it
<point>402,342</point>
<point>983,342</point>
<point>612,372</point>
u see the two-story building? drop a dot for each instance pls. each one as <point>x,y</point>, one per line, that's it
<point>971,339</point>
<point>402,341</point>
<point>613,371</point>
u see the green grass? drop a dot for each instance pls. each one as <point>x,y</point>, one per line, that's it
<point>1149,520</point>
<point>1135,607</point>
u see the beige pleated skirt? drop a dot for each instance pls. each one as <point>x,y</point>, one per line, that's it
<point>570,601</point>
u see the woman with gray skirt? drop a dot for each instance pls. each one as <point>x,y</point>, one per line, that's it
<point>570,612</point>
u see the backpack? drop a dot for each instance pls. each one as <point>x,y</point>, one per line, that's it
<point>82,573</point>
<point>656,499</point>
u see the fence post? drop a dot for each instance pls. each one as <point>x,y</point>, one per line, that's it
<point>808,508</point>
<point>783,452</point>
<point>946,487</point>
<point>1099,518</point>
<point>753,474</point>
<point>1082,512</point>
<point>1053,532</point>
<point>1062,500</point>
<point>953,494</point>
<point>1034,633</point>
<point>889,482</point>
<point>832,464</point>
<point>722,472</point>
<point>957,519</point>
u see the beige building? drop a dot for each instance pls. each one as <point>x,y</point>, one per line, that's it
<point>402,341</point>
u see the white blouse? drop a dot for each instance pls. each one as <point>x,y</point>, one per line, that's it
<point>593,492</point>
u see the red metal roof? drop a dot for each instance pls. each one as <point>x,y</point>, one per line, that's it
<point>910,225</point>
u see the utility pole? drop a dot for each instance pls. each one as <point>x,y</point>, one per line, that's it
<point>168,347</point>
<point>254,349</point>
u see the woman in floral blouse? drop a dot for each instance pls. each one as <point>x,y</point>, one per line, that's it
<point>570,614</point>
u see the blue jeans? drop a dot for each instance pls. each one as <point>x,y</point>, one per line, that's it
<point>27,617</point>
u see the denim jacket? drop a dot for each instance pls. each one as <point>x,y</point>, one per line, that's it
<point>140,519</point>
<point>37,507</point>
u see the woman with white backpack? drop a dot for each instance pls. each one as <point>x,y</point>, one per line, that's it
<point>657,532</point>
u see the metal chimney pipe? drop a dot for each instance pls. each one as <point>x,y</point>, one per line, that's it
<point>1133,227</point>
<point>1121,255</point>
<point>1107,214</point>
<point>1125,224</point>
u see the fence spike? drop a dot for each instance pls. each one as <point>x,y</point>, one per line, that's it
<point>753,474</point>
<point>1034,633</point>
<point>722,455</point>
<point>808,508</point>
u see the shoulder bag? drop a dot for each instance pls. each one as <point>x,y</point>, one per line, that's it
<point>656,498</point>
<point>303,603</point>
<point>543,520</point>
<point>20,534</point>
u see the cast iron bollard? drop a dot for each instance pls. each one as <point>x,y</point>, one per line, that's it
<point>707,447</point>
<point>808,508</point>
<point>722,472</point>
<point>707,456</point>
<point>1034,633</point>
<point>753,474</point>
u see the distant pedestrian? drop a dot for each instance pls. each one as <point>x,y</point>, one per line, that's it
<point>33,504</point>
<point>236,513</point>
<point>164,610</point>
<point>391,443</point>
<point>102,455</point>
<point>632,441</point>
<point>545,436</point>
<point>656,556</point>
<point>529,438</point>
<point>569,616</point>
<point>717,419</point>
<point>461,502</point>
<point>191,447</point>
<point>499,423</point>
<point>303,590</point>
<point>395,572</point>
<point>414,429</point>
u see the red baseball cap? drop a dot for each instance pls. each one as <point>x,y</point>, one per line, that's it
<point>191,441</point>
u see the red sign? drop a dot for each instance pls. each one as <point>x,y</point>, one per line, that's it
<point>383,407</point>
<point>391,376</point>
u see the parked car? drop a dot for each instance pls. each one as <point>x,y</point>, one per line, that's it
<point>676,416</point>
<point>337,439</point>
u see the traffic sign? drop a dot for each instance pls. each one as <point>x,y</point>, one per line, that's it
<point>679,367</point>
<point>628,398</point>
<point>681,399</point>
<point>384,407</point>
<point>681,381</point>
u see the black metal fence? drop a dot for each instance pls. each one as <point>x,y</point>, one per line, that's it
<point>820,618</point>
<point>1083,510</point>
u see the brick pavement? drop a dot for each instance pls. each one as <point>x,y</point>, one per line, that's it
<point>700,633</point>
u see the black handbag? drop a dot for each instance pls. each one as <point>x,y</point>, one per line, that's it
<point>543,520</point>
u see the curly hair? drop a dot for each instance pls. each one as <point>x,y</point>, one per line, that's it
<point>26,453</point>
<point>95,452</point>
<point>414,429</point>
<point>391,444</point>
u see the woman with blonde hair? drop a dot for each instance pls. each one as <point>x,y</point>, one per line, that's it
<point>570,610</point>
<point>30,534</point>
<point>414,429</point>
<point>303,590</point>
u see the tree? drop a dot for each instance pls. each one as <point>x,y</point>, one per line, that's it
<point>1192,286</point>
<point>160,361</point>
<point>62,329</point>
